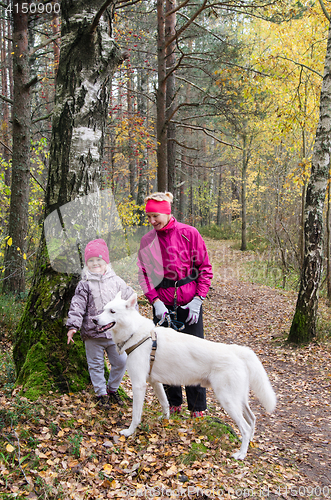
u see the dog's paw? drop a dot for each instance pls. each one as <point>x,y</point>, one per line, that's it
<point>239,455</point>
<point>165,416</point>
<point>126,432</point>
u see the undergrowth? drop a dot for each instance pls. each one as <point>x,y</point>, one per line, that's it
<point>11,308</point>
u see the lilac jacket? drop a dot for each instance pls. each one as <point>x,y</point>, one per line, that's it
<point>171,253</point>
<point>92,293</point>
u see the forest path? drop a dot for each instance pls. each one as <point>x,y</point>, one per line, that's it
<point>299,431</point>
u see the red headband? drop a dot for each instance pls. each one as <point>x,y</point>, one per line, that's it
<point>158,207</point>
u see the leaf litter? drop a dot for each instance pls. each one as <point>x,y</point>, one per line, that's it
<point>63,446</point>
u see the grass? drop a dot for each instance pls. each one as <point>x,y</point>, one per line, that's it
<point>214,433</point>
<point>270,273</point>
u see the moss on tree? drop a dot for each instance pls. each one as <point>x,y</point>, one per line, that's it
<point>42,357</point>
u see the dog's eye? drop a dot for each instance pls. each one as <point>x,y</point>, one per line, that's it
<point>112,311</point>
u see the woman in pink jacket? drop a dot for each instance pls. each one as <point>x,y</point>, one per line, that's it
<point>175,275</point>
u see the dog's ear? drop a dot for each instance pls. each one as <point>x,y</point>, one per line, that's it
<point>118,295</point>
<point>131,302</point>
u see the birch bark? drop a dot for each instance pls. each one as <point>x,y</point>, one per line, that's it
<point>303,328</point>
<point>88,58</point>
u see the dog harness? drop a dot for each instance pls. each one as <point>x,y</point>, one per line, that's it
<point>152,336</point>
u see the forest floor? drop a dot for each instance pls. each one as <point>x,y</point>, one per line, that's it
<point>63,446</point>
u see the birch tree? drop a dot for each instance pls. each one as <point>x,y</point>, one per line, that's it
<point>303,328</point>
<point>88,58</point>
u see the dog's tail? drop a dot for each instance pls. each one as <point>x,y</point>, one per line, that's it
<point>258,379</point>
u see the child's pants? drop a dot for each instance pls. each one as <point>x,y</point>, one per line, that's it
<point>95,359</point>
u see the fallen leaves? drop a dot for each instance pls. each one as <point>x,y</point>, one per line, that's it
<point>68,447</point>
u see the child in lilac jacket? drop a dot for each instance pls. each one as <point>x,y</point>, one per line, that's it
<point>99,285</point>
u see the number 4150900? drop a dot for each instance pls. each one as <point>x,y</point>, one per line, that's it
<point>34,8</point>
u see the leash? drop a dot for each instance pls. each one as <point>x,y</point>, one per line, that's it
<point>170,321</point>
<point>153,336</point>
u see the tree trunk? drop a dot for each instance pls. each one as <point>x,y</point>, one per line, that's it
<point>170,30</point>
<point>243,196</point>
<point>88,58</point>
<point>328,243</point>
<point>5,106</point>
<point>219,199</point>
<point>131,155</point>
<point>56,44</point>
<point>14,281</point>
<point>303,328</point>
<point>142,112</point>
<point>161,129</point>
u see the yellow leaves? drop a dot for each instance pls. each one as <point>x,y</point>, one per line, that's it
<point>10,448</point>
<point>107,468</point>
<point>10,241</point>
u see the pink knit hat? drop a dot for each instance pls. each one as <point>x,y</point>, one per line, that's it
<point>97,248</point>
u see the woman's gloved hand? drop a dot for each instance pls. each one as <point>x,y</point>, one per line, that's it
<point>160,309</point>
<point>193,310</point>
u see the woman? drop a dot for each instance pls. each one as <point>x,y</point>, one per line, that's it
<point>175,275</point>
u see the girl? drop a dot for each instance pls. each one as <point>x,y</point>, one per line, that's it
<point>99,285</point>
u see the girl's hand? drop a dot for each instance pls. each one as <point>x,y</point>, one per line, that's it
<point>70,334</point>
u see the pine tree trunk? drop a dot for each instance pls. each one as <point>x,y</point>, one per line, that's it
<point>88,58</point>
<point>14,281</point>
<point>161,130</point>
<point>142,111</point>
<point>5,92</point>
<point>170,29</point>
<point>303,328</point>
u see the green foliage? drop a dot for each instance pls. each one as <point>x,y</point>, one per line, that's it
<point>270,272</point>
<point>7,372</point>
<point>75,442</point>
<point>224,232</point>
<point>20,411</point>
<point>11,308</point>
<point>212,430</point>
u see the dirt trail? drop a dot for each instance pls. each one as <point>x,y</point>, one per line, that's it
<point>299,432</point>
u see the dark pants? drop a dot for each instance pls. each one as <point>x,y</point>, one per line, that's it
<point>196,395</point>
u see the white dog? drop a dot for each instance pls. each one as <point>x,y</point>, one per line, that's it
<point>181,359</point>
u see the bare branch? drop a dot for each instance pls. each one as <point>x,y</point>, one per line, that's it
<point>301,64</point>
<point>195,86</point>
<point>33,177</point>
<point>182,145</point>
<point>45,117</point>
<point>176,9</point>
<point>4,98</point>
<point>205,131</point>
<point>185,26</point>
<point>42,45</point>
<point>7,147</point>
<point>203,166</point>
<point>325,12</point>
<point>126,4</point>
<point>99,15</point>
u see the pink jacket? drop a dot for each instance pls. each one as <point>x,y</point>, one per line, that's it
<point>172,253</point>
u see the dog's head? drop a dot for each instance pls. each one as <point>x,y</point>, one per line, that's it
<point>116,312</point>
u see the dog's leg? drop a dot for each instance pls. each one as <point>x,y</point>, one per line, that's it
<point>234,410</point>
<point>139,390</point>
<point>250,419</point>
<point>161,396</point>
